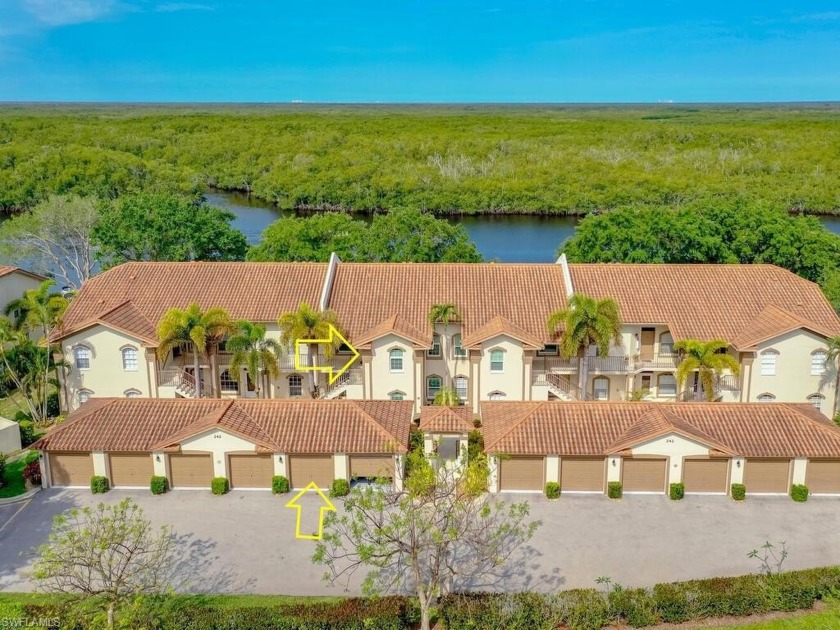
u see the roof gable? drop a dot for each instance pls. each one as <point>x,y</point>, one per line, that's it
<point>393,325</point>
<point>446,419</point>
<point>500,326</point>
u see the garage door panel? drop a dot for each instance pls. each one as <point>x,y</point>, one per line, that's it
<point>372,466</point>
<point>582,474</point>
<point>705,475</point>
<point>522,473</point>
<point>71,469</point>
<point>767,476</point>
<point>250,471</point>
<point>190,471</point>
<point>823,476</point>
<point>644,475</point>
<point>131,469</point>
<point>304,469</point>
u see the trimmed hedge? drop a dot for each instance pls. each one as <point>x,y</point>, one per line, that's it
<point>159,485</point>
<point>799,493</point>
<point>614,490</point>
<point>98,484</point>
<point>340,488</point>
<point>677,491</point>
<point>279,485</point>
<point>552,490</point>
<point>219,485</point>
<point>738,491</point>
<point>678,602</point>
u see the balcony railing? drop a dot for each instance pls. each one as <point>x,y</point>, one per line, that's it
<point>666,361</point>
<point>727,387</point>
<point>556,364</point>
<point>609,364</point>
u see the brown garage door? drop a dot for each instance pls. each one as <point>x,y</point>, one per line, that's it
<point>190,471</point>
<point>522,473</point>
<point>372,466</point>
<point>250,471</point>
<point>71,469</point>
<point>582,474</point>
<point>304,469</point>
<point>131,469</point>
<point>705,475</point>
<point>644,475</point>
<point>767,476</point>
<point>823,476</point>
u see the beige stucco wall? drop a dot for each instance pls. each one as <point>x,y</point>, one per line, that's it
<point>9,436</point>
<point>675,447</point>
<point>614,468</point>
<point>382,380</point>
<point>106,377</point>
<point>13,286</point>
<point>793,381</point>
<point>511,379</point>
<point>219,443</point>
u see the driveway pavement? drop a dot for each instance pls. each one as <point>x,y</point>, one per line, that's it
<point>244,542</point>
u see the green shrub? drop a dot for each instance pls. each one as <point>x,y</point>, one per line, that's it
<point>584,609</point>
<point>159,485</point>
<point>799,493</point>
<point>677,491</point>
<point>614,490</point>
<point>279,484</point>
<point>340,488</point>
<point>635,605</point>
<point>552,490</point>
<point>738,491</point>
<point>219,485</point>
<point>27,432</point>
<point>98,484</point>
<point>53,405</point>
<point>21,415</point>
<point>475,444</point>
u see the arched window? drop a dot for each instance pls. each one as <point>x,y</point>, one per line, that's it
<point>433,384</point>
<point>768,362</point>
<point>816,400</point>
<point>667,385</point>
<point>129,359</point>
<point>457,349</point>
<point>497,360</point>
<point>84,395</point>
<point>461,387</point>
<point>601,388</point>
<point>765,397</point>
<point>818,360</point>
<point>395,359</point>
<point>666,343</point>
<point>496,396</point>
<point>295,386</point>
<point>133,393</point>
<point>81,357</point>
<point>396,395</point>
<point>228,383</point>
<point>435,349</point>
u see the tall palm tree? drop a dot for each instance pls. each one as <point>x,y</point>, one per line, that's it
<point>447,397</point>
<point>253,351</point>
<point>307,323</point>
<point>708,359</point>
<point>179,327</point>
<point>443,314</point>
<point>833,358</point>
<point>587,321</point>
<point>40,310</point>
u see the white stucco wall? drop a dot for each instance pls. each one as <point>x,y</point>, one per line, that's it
<point>14,285</point>
<point>9,436</point>
<point>736,470</point>
<point>219,443</point>
<point>382,380</point>
<point>100,464</point>
<point>511,379</point>
<point>552,468</point>
<point>614,469</point>
<point>675,447</point>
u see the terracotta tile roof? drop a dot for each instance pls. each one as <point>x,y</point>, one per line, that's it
<point>253,291</point>
<point>501,326</point>
<point>705,301</point>
<point>393,325</point>
<point>772,322</point>
<point>446,419</point>
<point>365,294</point>
<point>596,428</point>
<point>290,426</point>
<point>5,270</point>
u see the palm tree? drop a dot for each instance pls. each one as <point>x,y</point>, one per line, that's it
<point>833,358</point>
<point>40,310</point>
<point>179,327</point>
<point>257,354</point>
<point>587,321</point>
<point>307,323</point>
<point>443,314</point>
<point>447,397</point>
<point>708,359</point>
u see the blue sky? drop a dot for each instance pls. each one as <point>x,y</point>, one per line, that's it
<point>430,51</point>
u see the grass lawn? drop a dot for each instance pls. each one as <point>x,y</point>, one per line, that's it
<point>14,484</point>
<point>10,405</point>
<point>823,620</point>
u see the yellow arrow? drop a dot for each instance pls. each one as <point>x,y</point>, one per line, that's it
<point>327,507</point>
<point>325,368</point>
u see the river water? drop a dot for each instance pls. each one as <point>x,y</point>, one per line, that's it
<point>505,238</point>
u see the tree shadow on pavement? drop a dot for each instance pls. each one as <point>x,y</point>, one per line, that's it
<point>200,569</point>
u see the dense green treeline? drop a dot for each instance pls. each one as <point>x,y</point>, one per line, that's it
<point>445,159</point>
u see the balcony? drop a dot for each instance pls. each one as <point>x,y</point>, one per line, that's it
<point>609,364</point>
<point>665,361</point>
<point>556,365</point>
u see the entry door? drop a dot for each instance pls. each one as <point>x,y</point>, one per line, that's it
<point>250,386</point>
<point>646,341</point>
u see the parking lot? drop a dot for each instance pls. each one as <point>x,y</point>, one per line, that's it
<point>244,542</point>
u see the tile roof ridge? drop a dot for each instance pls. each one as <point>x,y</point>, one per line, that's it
<point>668,411</point>
<point>370,419</point>
<point>236,402</point>
<point>81,414</point>
<point>825,427</point>
<point>536,406</point>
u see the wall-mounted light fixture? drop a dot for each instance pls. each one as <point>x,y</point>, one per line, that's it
<point>157,458</point>
<point>279,459</point>
<point>738,463</point>
<point>614,463</point>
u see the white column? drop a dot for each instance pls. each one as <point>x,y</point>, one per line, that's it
<point>219,463</point>
<point>159,461</point>
<point>528,371</point>
<point>736,470</point>
<point>675,463</point>
<point>419,380</point>
<point>800,465</point>
<point>100,464</point>
<point>494,474</point>
<point>398,472</point>
<point>340,466</point>
<point>552,468</point>
<point>613,468</point>
<point>279,464</point>
<point>46,473</point>
<point>428,444</point>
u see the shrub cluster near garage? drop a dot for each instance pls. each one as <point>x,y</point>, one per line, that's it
<point>671,603</point>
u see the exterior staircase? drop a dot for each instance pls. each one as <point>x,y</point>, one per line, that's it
<point>185,385</point>
<point>563,388</point>
<point>339,388</point>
